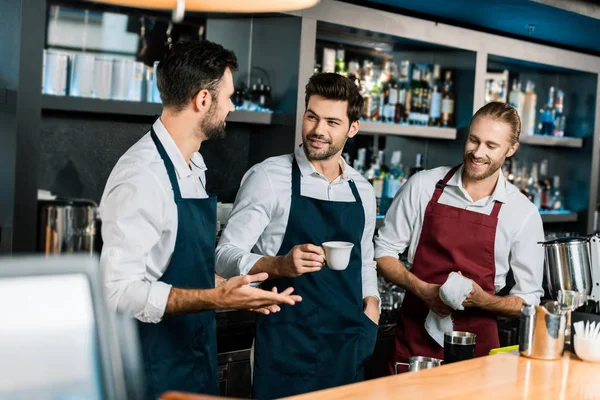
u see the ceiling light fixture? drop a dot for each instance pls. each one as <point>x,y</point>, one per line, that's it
<point>179,7</point>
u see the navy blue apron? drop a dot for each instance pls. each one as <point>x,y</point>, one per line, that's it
<point>325,340</point>
<point>180,352</point>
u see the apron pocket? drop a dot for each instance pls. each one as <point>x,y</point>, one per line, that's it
<point>368,339</point>
<point>182,372</point>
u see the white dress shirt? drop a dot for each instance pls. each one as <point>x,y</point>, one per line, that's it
<point>517,235</point>
<point>260,214</point>
<point>139,224</point>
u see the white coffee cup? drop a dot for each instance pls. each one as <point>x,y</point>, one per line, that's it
<point>337,254</point>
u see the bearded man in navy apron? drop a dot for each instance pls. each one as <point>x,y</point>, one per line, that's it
<point>287,207</point>
<point>159,227</point>
<point>467,219</point>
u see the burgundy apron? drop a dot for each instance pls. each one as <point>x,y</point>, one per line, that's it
<point>452,240</point>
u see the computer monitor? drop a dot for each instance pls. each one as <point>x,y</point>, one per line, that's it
<point>57,338</point>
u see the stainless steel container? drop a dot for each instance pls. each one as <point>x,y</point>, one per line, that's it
<point>121,79</point>
<point>82,75</point>
<point>568,265</point>
<point>55,69</point>
<point>155,93</point>
<point>103,78</point>
<point>542,331</point>
<point>137,82</point>
<point>418,363</point>
<point>66,226</point>
<point>127,80</point>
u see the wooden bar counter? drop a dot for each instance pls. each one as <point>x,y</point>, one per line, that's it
<point>501,376</point>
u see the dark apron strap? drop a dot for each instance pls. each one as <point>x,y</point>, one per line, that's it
<point>168,164</point>
<point>296,182</point>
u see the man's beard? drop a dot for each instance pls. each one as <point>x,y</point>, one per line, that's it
<point>320,154</point>
<point>490,168</point>
<point>210,127</point>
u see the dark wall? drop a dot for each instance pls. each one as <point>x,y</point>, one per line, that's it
<point>79,152</point>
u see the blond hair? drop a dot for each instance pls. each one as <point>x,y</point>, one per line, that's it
<point>502,112</point>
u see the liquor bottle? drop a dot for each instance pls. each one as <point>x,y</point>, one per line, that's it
<point>392,102</point>
<point>547,114</point>
<point>529,110</point>
<point>340,62</point>
<point>534,187</point>
<point>416,93</point>
<point>556,199</point>
<point>400,115</point>
<point>435,106</point>
<point>448,101</point>
<point>425,97</point>
<point>525,182</point>
<point>418,165</point>
<point>384,97</point>
<point>545,186</point>
<point>393,181</point>
<point>516,98</point>
<point>375,101</point>
<point>559,116</point>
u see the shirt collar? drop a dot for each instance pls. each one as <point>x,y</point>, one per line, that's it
<point>307,169</point>
<point>499,193</point>
<point>181,167</point>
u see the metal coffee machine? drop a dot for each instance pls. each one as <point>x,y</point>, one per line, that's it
<point>573,264</point>
<point>67,226</point>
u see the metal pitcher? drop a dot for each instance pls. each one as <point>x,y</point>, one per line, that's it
<point>418,363</point>
<point>542,333</point>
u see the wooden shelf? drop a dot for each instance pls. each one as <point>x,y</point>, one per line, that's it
<point>558,217</point>
<point>381,128</point>
<point>554,141</point>
<point>143,109</point>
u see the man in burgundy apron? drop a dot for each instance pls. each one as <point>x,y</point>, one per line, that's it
<point>452,239</point>
<point>455,238</point>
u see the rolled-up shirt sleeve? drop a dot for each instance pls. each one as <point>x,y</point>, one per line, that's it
<point>369,266</point>
<point>527,259</point>
<point>395,234</point>
<point>249,217</point>
<point>132,213</point>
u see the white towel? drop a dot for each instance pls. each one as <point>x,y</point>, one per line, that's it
<point>453,292</point>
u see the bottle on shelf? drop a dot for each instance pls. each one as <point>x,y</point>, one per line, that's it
<point>516,98</point>
<point>534,188</point>
<point>435,106</point>
<point>416,99</point>
<point>400,115</point>
<point>547,114</point>
<point>556,199</point>
<point>375,176</point>
<point>529,110</point>
<point>418,165</point>
<point>448,101</point>
<point>340,62</point>
<point>425,97</point>
<point>393,181</point>
<point>559,116</point>
<point>545,186</point>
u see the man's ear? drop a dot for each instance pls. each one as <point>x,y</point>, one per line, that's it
<point>513,149</point>
<point>203,100</point>
<point>354,127</point>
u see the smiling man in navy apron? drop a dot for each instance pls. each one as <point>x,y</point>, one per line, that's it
<point>159,227</point>
<point>286,208</point>
<point>465,219</point>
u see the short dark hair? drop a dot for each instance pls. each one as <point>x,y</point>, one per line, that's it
<point>336,87</point>
<point>189,67</point>
<point>499,111</point>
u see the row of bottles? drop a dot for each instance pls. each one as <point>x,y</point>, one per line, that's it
<point>551,121</point>
<point>387,179</point>
<point>408,93</point>
<point>536,183</point>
